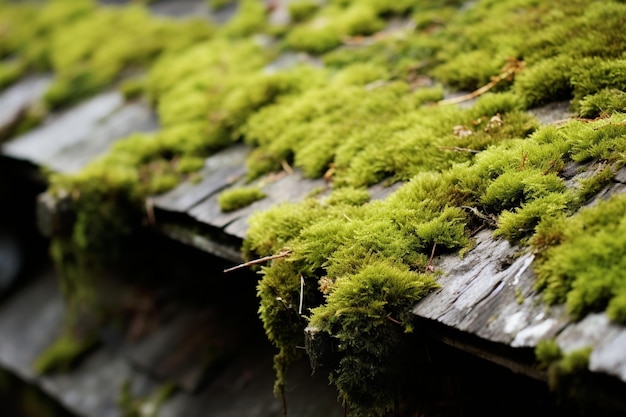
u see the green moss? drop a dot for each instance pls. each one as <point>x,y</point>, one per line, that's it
<point>603,103</point>
<point>302,10</point>
<point>9,72</point>
<point>589,187</point>
<point>133,88</point>
<point>219,4</point>
<point>237,198</point>
<point>349,195</point>
<point>368,313</point>
<point>548,351</point>
<point>575,361</point>
<point>148,406</point>
<point>329,27</point>
<point>369,116</point>
<point>250,19</point>
<point>63,353</point>
<point>581,266</point>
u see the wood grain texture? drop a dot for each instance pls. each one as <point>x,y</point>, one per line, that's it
<point>69,141</point>
<point>19,96</point>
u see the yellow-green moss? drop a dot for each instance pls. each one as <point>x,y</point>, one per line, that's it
<point>237,198</point>
<point>301,10</point>
<point>581,258</point>
<point>250,19</point>
<point>148,406</point>
<point>369,116</point>
<point>328,28</point>
<point>63,353</point>
<point>368,313</point>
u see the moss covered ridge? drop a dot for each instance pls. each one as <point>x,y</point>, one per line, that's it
<point>370,114</point>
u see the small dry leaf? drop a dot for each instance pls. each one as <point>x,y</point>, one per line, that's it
<point>462,131</point>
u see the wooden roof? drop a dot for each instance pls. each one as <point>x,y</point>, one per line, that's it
<point>486,301</point>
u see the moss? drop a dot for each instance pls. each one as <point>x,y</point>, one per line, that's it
<point>132,406</point>
<point>368,313</point>
<point>237,198</point>
<point>563,368</point>
<point>88,47</point>
<point>63,353</point>
<point>349,195</point>
<point>249,19</point>
<point>133,88</point>
<point>548,351</point>
<point>329,27</point>
<point>580,263</point>
<point>219,4</point>
<point>603,103</point>
<point>369,116</point>
<point>302,10</point>
<point>575,361</point>
<point>589,187</point>
<point>9,72</point>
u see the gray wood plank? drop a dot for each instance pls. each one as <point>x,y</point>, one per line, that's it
<point>16,98</point>
<point>29,322</point>
<point>220,170</point>
<point>69,141</point>
<point>610,357</point>
<point>131,118</point>
<point>288,188</point>
<point>180,353</point>
<point>74,126</point>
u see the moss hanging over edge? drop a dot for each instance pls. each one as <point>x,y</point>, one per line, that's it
<point>433,219</point>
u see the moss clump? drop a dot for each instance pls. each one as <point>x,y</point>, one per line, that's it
<point>302,10</point>
<point>563,369</point>
<point>367,117</point>
<point>581,258</point>
<point>250,19</point>
<point>89,47</point>
<point>603,103</point>
<point>349,195</point>
<point>219,4</point>
<point>331,25</point>
<point>63,353</point>
<point>9,72</point>
<point>237,198</point>
<point>368,313</point>
<point>132,406</point>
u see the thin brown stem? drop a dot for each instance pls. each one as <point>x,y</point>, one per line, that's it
<point>457,149</point>
<point>281,254</point>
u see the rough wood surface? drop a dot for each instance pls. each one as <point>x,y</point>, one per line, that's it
<point>490,293</point>
<point>15,99</point>
<point>68,141</point>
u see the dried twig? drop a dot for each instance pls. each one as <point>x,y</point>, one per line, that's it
<point>457,149</point>
<point>391,319</point>
<point>150,211</point>
<point>491,221</point>
<point>282,254</point>
<point>429,267</point>
<point>287,167</point>
<point>301,295</point>
<point>508,71</point>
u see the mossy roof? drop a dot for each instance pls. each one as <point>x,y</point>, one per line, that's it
<point>378,111</point>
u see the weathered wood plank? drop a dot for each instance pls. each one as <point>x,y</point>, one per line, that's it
<point>220,170</point>
<point>282,188</point>
<point>16,98</point>
<point>186,348</point>
<point>490,293</point>
<point>609,357</point>
<point>29,322</point>
<point>67,142</point>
